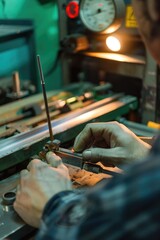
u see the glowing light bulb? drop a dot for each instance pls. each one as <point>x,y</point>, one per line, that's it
<point>113,43</point>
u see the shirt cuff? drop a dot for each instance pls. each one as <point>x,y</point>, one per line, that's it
<point>56,201</point>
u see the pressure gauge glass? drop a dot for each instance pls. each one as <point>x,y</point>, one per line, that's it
<point>100,16</point>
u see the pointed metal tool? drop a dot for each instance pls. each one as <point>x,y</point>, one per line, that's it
<point>68,156</point>
<point>45,97</point>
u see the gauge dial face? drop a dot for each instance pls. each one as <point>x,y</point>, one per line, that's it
<point>97,15</point>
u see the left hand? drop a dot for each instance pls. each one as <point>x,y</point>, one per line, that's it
<point>110,143</point>
<point>38,183</point>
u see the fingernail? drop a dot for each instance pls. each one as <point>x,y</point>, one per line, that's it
<point>87,154</point>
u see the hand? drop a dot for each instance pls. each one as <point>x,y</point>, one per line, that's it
<point>38,183</point>
<point>110,143</point>
<point>147,13</point>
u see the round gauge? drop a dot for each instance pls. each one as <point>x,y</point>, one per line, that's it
<point>103,15</point>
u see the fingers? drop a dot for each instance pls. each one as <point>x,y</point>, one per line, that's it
<point>105,156</point>
<point>34,165</point>
<point>88,135</point>
<point>54,160</point>
<point>97,131</point>
<point>23,173</point>
<point>83,140</point>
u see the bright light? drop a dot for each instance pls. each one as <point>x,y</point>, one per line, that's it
<point>113,43</point>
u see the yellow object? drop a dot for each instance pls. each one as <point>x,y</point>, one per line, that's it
<point>153,125</point>
<point>130,18</point>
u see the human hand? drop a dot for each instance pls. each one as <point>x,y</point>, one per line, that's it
<point>147,13</point>
<point>38,183</point>
<point>110,143</point>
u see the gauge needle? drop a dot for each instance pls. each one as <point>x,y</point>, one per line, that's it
<point>98,11</point>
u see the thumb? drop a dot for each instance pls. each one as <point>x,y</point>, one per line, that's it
<point>53,159</point>
<point>108,157</point>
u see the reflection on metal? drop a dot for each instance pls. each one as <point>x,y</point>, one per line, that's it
<point>117,57</point>
<point>71,120</point>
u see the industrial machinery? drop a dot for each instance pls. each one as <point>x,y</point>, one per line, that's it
<point>107,74</point>
<point>70,116</point>
<point>17,46</point>
<point>100,43</point>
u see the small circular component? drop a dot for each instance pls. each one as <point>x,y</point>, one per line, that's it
<point>9,198</point>
<point>102,16</point>
<point>72,9</point>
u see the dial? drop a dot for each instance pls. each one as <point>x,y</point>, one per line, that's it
<point>101,16</point>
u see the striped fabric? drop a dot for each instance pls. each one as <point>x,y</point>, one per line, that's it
<point>125,208</point>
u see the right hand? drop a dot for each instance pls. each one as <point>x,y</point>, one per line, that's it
<point>110,143</point>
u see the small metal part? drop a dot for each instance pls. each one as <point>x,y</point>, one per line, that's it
<point>82,164</point>
<point>16,83</point>
<point>70,157</point>
<point>75,43</point>
<point>16,93</point>
<point>9,198</point>
<point>91,167</point>
<point>41,155</point>
<point>45,97</point>
<point>52,145</point>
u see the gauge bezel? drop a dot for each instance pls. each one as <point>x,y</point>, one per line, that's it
<point>68,13</point>
<point>116,23</point>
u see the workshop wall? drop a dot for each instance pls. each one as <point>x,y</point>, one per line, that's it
<point>45,18</point>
